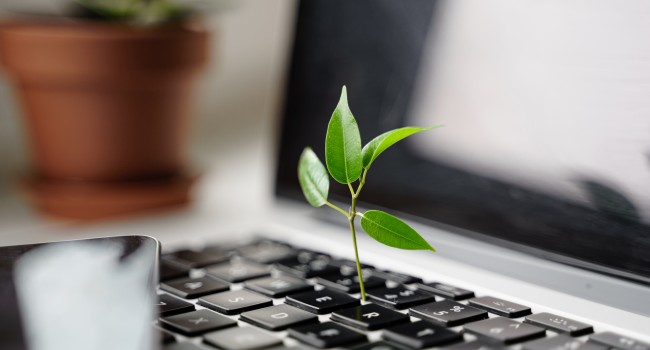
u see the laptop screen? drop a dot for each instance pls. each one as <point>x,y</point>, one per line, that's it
<point>546,140</point>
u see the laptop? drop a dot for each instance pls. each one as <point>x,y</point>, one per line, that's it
<point>543,210</point>
<point>535,248</point>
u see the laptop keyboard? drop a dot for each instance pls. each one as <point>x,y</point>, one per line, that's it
<point>270,295</point>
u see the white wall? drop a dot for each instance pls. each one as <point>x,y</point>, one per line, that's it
<point>13,155</point>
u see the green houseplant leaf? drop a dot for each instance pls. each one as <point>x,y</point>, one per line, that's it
<point>313,178</point>
<point>392,231</point>
<point>380,143</point>
<point>347,162</point>
<point>343,144</point>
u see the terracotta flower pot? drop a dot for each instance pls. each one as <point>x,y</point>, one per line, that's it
<point>106,109</point>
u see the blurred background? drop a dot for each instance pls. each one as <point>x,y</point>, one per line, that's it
<point>232,125</point>
<point>544,102</point>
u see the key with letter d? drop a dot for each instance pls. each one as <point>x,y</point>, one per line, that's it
<point>278,317</point>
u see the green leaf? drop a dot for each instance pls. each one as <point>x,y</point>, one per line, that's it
<point>392,231</point>
<point>380,143</point>
<point>313,178</point>
<point>343,144</point>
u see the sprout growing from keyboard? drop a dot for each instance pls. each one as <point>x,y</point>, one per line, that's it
<point>349,164</point>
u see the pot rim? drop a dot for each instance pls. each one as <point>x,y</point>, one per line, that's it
<point>97,30</point>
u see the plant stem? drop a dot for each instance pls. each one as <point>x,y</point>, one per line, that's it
<point>337,209</point>
<point>361,183</point>
<point>351,189</point>
<point>356,255</point>
<point>352,216</point>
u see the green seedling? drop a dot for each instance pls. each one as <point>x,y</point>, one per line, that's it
<point>349,164</point>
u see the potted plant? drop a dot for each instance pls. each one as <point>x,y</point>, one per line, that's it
<point>105,91</point>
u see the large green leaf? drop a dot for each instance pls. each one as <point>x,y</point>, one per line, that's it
<point>343,144</point>
<point>380,143</point>
<point>392,231</point>
<point>313,178</point>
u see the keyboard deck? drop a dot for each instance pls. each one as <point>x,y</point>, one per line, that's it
<point>270,295</point>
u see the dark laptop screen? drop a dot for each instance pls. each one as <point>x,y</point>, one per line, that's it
<point>535,152</point>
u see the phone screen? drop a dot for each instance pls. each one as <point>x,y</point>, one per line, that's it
<point>11,330</point>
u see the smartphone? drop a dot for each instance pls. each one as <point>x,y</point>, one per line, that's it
<point>11,329</point>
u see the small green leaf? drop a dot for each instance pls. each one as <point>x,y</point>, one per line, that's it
<point>313,178</point>
<point>380,143</point>
<point>343,144</point>
<point>392,231</point>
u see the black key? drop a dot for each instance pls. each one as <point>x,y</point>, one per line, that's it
<point>350,284</point>
<point>220,249</point>
<point>351,264</point>
<point>192,259</point>
<point>237,271</point>
<point>397,277</point>
<point>399,297</point>
<point>369,317</point>
<point>562,342</point>
<point>165,336</point>
<point>322,301</point>
<point>448,313</point>
<point>446,291</point>
<point>266,252</point>
<point>190,288</point>
<point>277,287</point>
<point>307,269</point>
<point>326,335</point>
<point>170,271</point>
<point>559,324</point>
<point>421,335</point>
<point>168,305</point>
<point>380,345</point>
<point>197,322</point>
<point>348,270</point>
<point>618,341</point>
<point>476,345</point>
<point>504,330</point>
<point>241,338</point>
<point>500,307</point>
<point>278,317</point>
<point>235,302</point>
<point>305,256</point>
<point>183,346</point>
